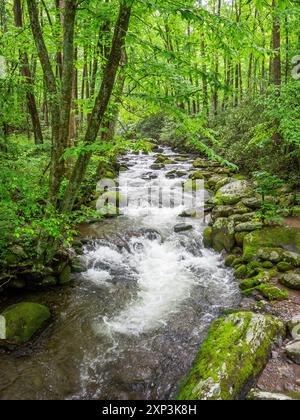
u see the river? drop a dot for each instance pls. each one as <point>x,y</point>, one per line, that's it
<point>129,326</point>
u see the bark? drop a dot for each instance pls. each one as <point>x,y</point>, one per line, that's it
<point>276,39</point>
<point>101,104</point>
<point>26,73</point>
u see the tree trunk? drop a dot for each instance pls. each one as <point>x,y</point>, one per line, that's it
<point>101,103</point>
<point>276,37</point>
<point>25,71</point>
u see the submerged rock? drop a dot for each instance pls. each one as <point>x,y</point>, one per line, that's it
<point>233,354</point>
<point>182,227</point>
<point>23,320</point>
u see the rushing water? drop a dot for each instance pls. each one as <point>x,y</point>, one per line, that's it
<point>130,326</point>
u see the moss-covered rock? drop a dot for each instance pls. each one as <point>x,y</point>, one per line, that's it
<point>229,260</point>
<point>193,185</point>
<point>218,181</point>
<point>235,351</point>
<point>242,218</point>
<point>197,175</point>
<point>222,211</point>
<point>274,255</point>
<point>253,203</point>
<point>233,193</point>
<point>223,235</point>
<point>296,211</point>
<point>239,238</point>
<point>272,293</point>
<point>283,267</point>
<point>248,226</point>
<point>65,275</point>
<point>291,279</point>
<point>293,351</point>
<point>207,237</point>
<point>241,272</point>
<point>271,237</point>
<point>23,320</point>
<point>267,265</point>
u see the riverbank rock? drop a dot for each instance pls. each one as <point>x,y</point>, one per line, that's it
<point>233,354</point>
<point>291,279</point>
<point>271,237</point>
<point>293,351</point>
<point>233,192</point>
<point>223,235</point>
<point>257,395</point>
<point>23,320</point>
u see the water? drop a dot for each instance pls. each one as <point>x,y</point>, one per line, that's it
<point>130,326</point>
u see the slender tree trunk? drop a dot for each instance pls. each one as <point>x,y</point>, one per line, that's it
<point>276,41</point>
<point>101,103</point>
<point>25,71</point>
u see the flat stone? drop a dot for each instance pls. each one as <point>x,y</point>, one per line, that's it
<point>258,395</point>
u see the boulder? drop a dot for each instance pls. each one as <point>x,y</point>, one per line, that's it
<point>291,279</point>
<point>207,237</point>
<point>22,321</point>
<point>231,357</point>
<point>242,218</point>
<point>223,235</point>
<point>233,192</point>
<point>218,181</point>
<point>222,211</point>
<point>271,237</point>
<point>270,254</point>
<point>253,203</point>
<point>65,276</point>
<point>293,351</point>
<point>157,166</point>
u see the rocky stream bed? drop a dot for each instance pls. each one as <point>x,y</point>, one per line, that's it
<point>148,287</point>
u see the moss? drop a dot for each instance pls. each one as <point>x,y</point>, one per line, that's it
<point>197,175</point>
<point>249,284</point>
<point>229,260</point>
<point>241,272</point>
<point>207,237</point>
<point>223,235</point>
<point>271,237</point>
<point>239,238</point>
<point>272,293</point>
<point>267,264</point>
<point>233,354</point>
<point>193,185</point>
<point>268,291</point>
<point>65,275</point>
<point>24,320</point>
<point>283,267</point>
<point>237,262</point>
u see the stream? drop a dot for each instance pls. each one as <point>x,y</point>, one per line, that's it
<point>128,327</point>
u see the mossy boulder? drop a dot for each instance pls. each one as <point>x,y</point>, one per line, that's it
<point>239,238</point>
<point>223,235</point>
<point>291,279</point>
<point>65,275</point>
<point>283,267</point>
<point>233,192</point>
<point>222,211</point>
<point>274,255</point>
<point>23,320</point>
<point>271,237</point>
<point>197,175</point>
<point>229,260</point>
<point>231,357</point>
<point>207,237</point>
<point>293,351</point>
<point>241,272</point>
<point>218,181</point>
<point>242,218</point>
<point>157,166</point>
<point>193,185</point>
